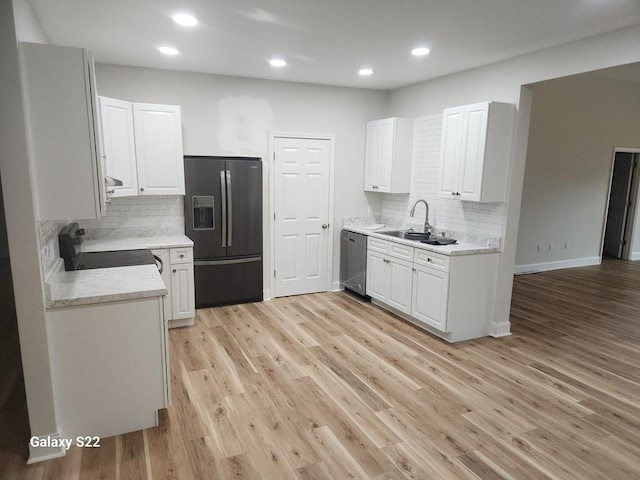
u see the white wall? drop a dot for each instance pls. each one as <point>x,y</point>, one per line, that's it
<point>22,235</point>
<point>502,82</point>
<point>28,26</point>
<point>234,116</point>
<point>576,123</point>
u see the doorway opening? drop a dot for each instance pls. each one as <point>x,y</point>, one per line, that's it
<point>621,208</point>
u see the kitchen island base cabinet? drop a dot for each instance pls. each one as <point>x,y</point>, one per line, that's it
<point>110,366</point>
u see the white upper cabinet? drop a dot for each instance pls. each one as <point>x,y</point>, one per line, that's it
<point>159,149</point>
<point>118,145</point>
<point>142,145</point>
<point>388,150</point>
<point>475,151</point>
<point>60,110</point>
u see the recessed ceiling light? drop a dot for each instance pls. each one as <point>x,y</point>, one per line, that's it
<point>185,19</point>
<point>365,72</point>
<point>420,51</point>
<point>168,50</point>
<point>277,62</point>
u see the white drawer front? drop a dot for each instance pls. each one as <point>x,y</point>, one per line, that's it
<point>181,255</point>
<point>377,245</point>
<point>433,260</point>
<point>401,251</point>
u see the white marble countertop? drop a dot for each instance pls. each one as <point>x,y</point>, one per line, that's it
<point>451,250</point>
<point>101,285</point>
<point>112,244</point>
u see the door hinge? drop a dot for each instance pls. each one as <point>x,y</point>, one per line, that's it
<point>274,273</point>
<point>274,216</point>
<point>274,156</point>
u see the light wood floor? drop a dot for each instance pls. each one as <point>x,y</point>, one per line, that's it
<point>327,387</point>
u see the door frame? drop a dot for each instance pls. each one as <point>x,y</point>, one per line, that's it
<point>272,181</point>
<point>631,227</point>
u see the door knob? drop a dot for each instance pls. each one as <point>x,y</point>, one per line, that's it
<point>325,226</point>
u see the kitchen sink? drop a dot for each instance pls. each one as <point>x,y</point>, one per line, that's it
<point>407,235</point>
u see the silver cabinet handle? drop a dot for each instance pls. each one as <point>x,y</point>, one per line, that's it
<point>230,207</point>
<point>142,189</point>
<point>111,191</point>
<point>325,226</point>
<point>223,196</point>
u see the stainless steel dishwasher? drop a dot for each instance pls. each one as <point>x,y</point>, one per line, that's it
<point>353,262</point>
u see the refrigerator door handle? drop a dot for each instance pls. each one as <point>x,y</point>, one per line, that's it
<point>230,207</point>
<point>223,188</point>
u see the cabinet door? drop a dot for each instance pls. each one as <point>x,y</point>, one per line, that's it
<point>451,149</point>
<point>400,279</point>
<point>373,157</point>
<point>377,277</point>
<point>60,108</point>
<point>164,255</point>
<point>430,297</point>
<point>118,145</point>
<point>182,291</point>
<point>473,153</point>
<point>387,143</point>
<point>158,142</point>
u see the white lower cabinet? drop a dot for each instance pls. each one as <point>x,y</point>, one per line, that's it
<point>109,366</point>
<point>430,296</point>
<point>177,274</point>
<point>182,291</point>
<point>400,279</point>
<point>389,280</point>
<point>451,297</point>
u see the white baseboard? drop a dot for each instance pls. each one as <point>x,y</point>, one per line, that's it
<point>41,454</point>
<point>634,256</point>
<point>557,265</point>
<point>502,329</point>
<point>336,287</point>
<point>266,294</point>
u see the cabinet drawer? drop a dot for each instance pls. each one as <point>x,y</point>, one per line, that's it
<point>401,251</point>
<point>181,255</point>
<point>433,260</point>
<point>377,245</point>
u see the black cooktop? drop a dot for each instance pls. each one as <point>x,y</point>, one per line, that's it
<point>70,241</point>
<point>118,258</point>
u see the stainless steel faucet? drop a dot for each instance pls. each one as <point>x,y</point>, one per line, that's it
<point>426,216</point>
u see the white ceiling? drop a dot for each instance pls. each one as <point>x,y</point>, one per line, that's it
<point>327,41</point>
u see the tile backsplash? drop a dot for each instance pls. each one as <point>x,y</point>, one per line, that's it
<point>478,223</point>
<point>126,217</point>
<point>138,217</point>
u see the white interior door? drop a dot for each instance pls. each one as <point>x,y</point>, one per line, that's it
<point>301,224</point>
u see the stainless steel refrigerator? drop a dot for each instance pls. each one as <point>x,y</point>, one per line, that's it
<point>223,217</point>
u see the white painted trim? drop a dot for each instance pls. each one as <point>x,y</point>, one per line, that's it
<point>502,329</point>
<point>332,225</point>
<point>634,256</point>
<point>557,265</point>
<point>336,287</point>
<point>266,294</point>
<point>41,454</point>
